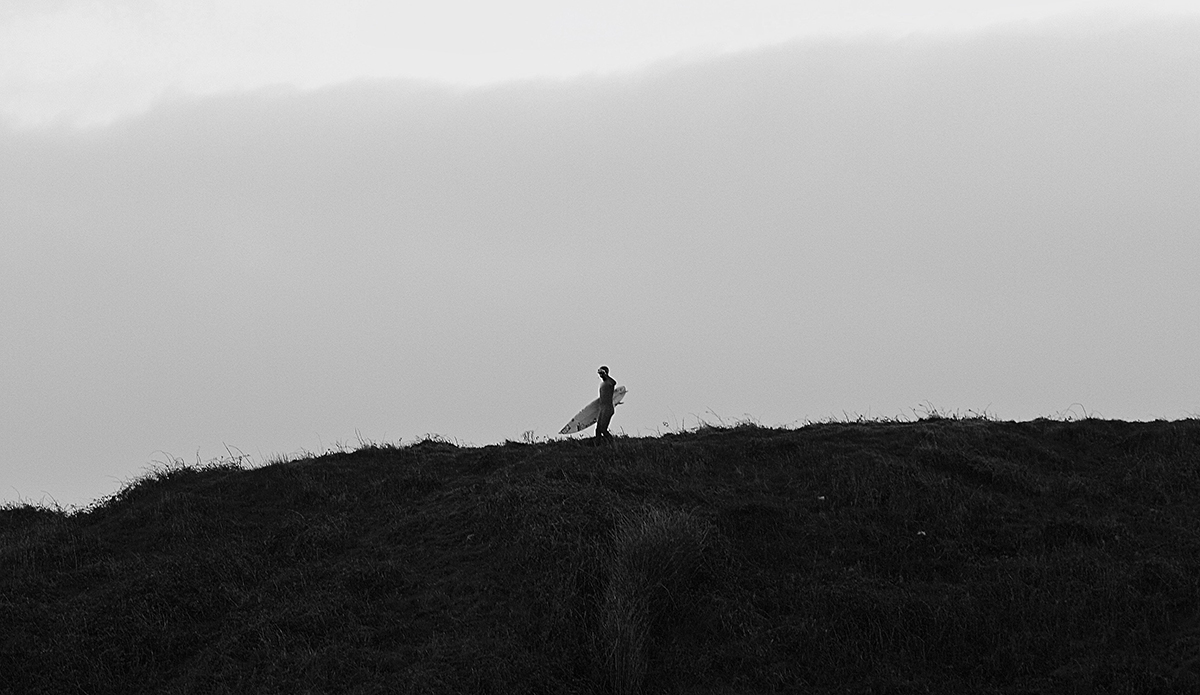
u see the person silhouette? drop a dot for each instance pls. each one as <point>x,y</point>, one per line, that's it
<point>607,386</point>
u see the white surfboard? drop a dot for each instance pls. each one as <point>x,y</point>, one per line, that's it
<point>590,413</point>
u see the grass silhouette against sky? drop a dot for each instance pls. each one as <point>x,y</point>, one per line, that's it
<point>942,555</point>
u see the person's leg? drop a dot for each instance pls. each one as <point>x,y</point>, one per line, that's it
<point>602,425</point>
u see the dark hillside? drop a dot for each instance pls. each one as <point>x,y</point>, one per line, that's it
<point>937,556</point>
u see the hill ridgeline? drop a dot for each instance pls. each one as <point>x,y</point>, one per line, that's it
<point>942,555</point>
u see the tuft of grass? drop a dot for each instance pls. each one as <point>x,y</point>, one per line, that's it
<point>652,564</point>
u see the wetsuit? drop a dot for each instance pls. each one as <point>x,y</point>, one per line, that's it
<point>606,405</point>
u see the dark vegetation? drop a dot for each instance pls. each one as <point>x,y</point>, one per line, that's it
<point>944,555</point>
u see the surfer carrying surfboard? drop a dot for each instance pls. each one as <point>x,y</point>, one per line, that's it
<point>607,386</point>
<point>611,395</point>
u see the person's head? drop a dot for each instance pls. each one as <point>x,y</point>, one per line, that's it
<point>602,371</point>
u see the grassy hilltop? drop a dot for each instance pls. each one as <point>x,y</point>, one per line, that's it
<point>935,556</point>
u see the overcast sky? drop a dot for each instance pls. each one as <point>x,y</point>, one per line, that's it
<point>282,226</point>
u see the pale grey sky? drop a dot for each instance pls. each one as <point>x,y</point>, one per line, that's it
<point>968,214</point>
<point>88,62</point>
